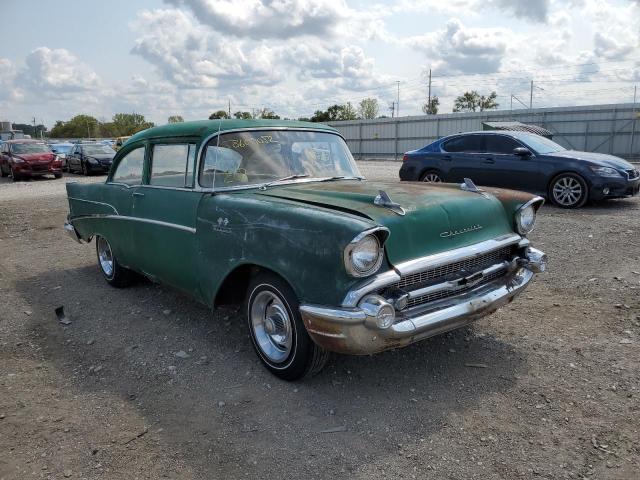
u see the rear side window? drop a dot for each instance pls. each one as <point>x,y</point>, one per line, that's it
<point>172,165</point>
<point>130,168</point>
<point>501,144</point>
<point>466,144</point>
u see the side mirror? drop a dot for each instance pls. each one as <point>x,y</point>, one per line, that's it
<point>522,152</point>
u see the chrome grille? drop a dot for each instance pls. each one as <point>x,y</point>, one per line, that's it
<point>430,297</point>
<point>471,265</point>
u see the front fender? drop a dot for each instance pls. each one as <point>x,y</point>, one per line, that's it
<point>303,244</point>
<point>512,200</point>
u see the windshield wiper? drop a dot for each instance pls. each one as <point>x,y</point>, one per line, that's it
<point>288,177</point>
<point>340,177</point>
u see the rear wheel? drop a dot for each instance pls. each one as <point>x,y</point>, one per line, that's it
<point>431,176</point>
<point>277,332</point>
<point>568,190</point>
<point>115,274</point>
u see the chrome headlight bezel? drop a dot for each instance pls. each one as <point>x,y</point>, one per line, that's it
<point>525,217</point>
<point>359,242</point>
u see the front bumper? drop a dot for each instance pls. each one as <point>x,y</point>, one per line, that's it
<point>350,330</point>
<point>603,188</point>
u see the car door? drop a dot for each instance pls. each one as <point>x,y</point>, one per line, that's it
<point>506,169</point>
<point>466,154</point>
<point>118,196</point>
<point>72,162</point>
<point>165,209</point>
<point>4,164</point>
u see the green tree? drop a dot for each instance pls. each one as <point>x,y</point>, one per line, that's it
<point>472,101</point>
<point>218,114</point>
<point>243,115</point>
<point>431,108</point>
<point>175,119</point>
<point>125,124</point>
<point>368,108</point>
<point>80,126</point>
<point>335,112</point>
<point>268,113</point>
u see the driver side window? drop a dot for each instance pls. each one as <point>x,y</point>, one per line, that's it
<point>129,170</point>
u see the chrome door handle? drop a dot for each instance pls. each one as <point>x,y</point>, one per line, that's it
<point>138,194</point>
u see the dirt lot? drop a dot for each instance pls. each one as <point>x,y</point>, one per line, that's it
<point>555,393</point>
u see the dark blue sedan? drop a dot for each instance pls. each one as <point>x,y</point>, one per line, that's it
<point>523,161</point>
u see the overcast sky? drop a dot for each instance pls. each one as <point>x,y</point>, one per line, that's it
<point>190,57</point>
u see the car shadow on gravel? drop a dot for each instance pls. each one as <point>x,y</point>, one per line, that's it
<point>194,375</point>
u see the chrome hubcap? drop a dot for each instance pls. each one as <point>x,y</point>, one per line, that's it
<point>272,327</point>
<point>432,178</point>
<point>567,191</point>
<point>105,257</point>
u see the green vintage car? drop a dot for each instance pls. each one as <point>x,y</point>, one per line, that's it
<point>275,215</point>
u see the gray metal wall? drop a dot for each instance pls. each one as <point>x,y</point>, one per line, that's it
<point>613,129</point>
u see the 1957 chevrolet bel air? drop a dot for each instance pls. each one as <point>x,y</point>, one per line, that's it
<point>275,214</point>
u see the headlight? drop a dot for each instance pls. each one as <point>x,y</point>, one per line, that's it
<point>525,219</point>
<point>92,161</point>
<point>605,172</point>
<point>363,256</point>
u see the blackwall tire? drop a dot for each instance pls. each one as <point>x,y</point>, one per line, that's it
<point>277,332</point>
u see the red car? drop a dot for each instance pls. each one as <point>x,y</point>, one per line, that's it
<point>28,158</point>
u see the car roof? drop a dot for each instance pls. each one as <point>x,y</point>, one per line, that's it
<point>509,133</point>
<point>205,128</point>
<point>24,140</point>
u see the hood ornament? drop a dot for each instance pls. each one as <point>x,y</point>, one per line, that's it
<point>383,200</point>
<point>469,186</point>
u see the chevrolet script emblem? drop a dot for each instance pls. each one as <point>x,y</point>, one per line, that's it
<point>453,233</point>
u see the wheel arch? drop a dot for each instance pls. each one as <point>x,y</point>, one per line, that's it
<point>430,168</point>
<point>233,287</point>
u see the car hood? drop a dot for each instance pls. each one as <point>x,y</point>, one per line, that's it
<point>102,156</point>
<point>600,159</point>
<point>438,217</point>
<point>36,157</point>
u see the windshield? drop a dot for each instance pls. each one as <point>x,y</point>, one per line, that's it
<point>97,150</point>
<point>30,148</point>
<point>540,144</point>
<point>258,157</point>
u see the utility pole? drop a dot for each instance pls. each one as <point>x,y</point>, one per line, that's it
<point>35,130</point>
<point>429,96</point>
<point>531,96</point>
<point>392,108</point>
<point>229,108</point>
<point>398,100</point>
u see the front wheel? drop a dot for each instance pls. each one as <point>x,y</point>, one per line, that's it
<point>2,172</point>
<point>277,332</point>
<point>114,273</point>
<point>568,190</point>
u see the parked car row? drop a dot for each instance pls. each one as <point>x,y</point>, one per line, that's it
<point>523,161</point>
<point>22,159</point>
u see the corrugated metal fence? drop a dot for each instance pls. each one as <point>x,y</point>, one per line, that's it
<point>613,129</point>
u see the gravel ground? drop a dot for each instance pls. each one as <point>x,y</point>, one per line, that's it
<point>554,392</point>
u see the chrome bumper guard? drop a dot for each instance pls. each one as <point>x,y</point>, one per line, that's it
<point>354,330</point>
<point>72,232</point>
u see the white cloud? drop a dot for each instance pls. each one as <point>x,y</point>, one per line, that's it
<point>532,10</point>
<point>460,49</point>
<point>56,71</point>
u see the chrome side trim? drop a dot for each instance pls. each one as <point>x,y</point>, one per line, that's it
<point>94,202</point>
<point>71,231</point>
<point>456,255</point>
<point>138,219</point>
